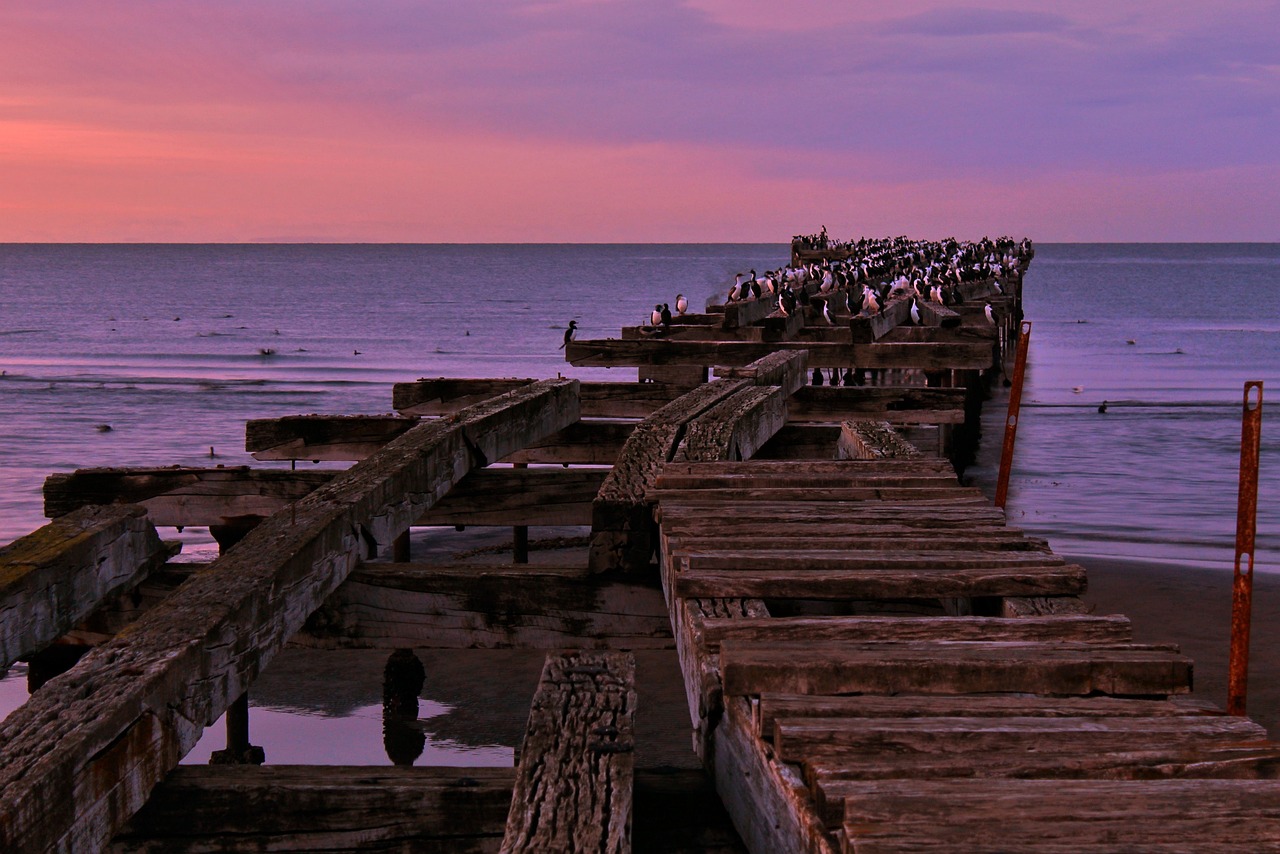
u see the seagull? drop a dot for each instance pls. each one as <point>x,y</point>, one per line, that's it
<point>568,333</point>
<point>682,304</point>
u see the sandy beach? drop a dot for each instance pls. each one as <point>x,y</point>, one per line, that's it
<point>1191,607</point>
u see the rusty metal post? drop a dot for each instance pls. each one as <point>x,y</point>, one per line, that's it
<point>1246,527</point>
<point>1011,420</point>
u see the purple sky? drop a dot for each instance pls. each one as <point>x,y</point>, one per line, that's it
<point>638,121</point>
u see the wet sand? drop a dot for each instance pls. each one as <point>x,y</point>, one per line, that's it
<point>1191,607</point>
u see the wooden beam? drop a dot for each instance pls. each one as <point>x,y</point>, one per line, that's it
<point>873,440</point>
<point>446,395</point>
<point>308,808</point>
<point>179,496</point>
<point>622,518</point>
<point>952,668</point>
<point>739,426</point>
<point>531,606</point>
<point>898,405</point>
<point>748,312</point>
<point>598,399</point>
<point>573,789</point>
<point>184,496</point>
<point>54,577</point>
<point>801,441</point>
<point>614,352</point>
<point>322,437</point>
<point>83,753</point>
<point>590,443</point>
<point>936,314</point>
<point>882,583</point>
<point>785,368</point>
<point>512,496</point>
<point>872,327</point>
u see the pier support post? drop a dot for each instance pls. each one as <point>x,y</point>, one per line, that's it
<point>520,534</point>
<point>238,750</point>
<point>400,548</point>
<point>1246,526</point>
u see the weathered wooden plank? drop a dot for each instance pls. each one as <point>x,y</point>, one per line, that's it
<point>56,576</point>
<point>960,533</point>
<point>783,561</point>
<point>322,437</point>
<point>872,327</point>
<point>787,369</point>
<point>937,314</point>
<point>952,668</point>
<point>824,629</point>
<point>622,517</point>
<point>881,583</point>
<point>306,808</point>
<point>924,498</point>
<point>613,352</point>
<point>598,399</point>
<point>738,426</point>
<point>771,707</point>
<point>446,395</point>
<point>898,405</point>
<point>531,606</point>
<point>747,312</point>
<point>769,804</point>
<point>83,753</point>
<point>766,539</point>
<point>852,469</point>
<point>1036,606</point>
<point>919,515</point>
<point>1063,815</point>
<point>873,440</point>
<point>796,739</point>
<point>184,496</point>
<point>519,496</point>
<point>573,789</point>
<point>354,437</point>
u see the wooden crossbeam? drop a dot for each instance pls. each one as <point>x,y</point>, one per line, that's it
<point>220,496</point>
<point>354,437</point>
<point>919,356</point>
<point>56,576</point>
<point>882,583</point>
<point>84,752</point>
<point>900,405</point>
<point>462,606</point>
<point>598,399</point>
<point>738,426</point>
<point>514,496</point>
<point>573,788</point>
<point>952,668</point>
<point>309,808</point>
<point>1062,815</point>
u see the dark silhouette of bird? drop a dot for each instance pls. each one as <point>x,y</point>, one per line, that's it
<point>568,334</point>
<point>1103,407</point>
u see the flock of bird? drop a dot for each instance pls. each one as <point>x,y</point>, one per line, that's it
<point>879,271</point>
<point>876,273</point>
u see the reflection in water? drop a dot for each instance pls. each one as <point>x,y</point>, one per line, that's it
<point>402,681</point>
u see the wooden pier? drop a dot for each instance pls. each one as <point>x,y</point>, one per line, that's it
<point>873,659</point>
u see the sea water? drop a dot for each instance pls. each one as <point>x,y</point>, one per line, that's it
<point>175,347</point>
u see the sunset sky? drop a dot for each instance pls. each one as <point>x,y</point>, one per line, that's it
<point>638,120</point>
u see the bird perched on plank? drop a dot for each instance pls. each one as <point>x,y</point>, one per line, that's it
<point>682,304</point>
<point>655,316</point>
<point>568,333</point>
<point>990,315</point>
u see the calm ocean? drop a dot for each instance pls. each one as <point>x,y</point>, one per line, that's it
<point>165,344</point>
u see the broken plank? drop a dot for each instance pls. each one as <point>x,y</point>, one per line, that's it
<point>322,437</point>
<point>873,440</point>
<point>952,668</point>
<point>54,577</point>
<point>573,789</point>
<point>84,752</point>
<point>446,395</point>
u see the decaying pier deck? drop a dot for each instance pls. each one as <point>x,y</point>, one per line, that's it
<point>872,658</point>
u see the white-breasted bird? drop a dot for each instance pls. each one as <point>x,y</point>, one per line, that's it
<point>655,316</point>
<point>991,316</point>
<point>682,304</point>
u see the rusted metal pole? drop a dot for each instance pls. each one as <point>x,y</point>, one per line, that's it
<point>1011,420</point>
<point>1246,527</point>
